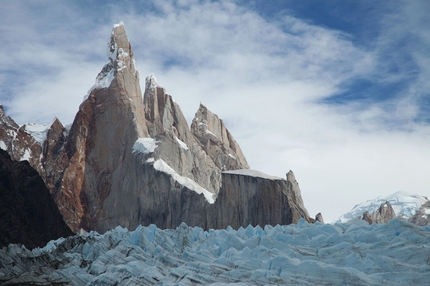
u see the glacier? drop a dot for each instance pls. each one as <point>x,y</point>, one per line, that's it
<point>356,253</point>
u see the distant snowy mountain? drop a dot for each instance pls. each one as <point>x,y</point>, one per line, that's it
<point>404,204</point>
<point>395,253</point>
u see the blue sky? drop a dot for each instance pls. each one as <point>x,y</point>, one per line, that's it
<point>336,91</point>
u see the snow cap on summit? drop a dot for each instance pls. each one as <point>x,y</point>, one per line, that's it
<point>151,82</point>
<point>119,43</point>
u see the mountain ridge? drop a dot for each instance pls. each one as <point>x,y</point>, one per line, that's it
<point>102,174</point>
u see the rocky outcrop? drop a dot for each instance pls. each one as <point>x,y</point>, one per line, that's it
<point>176,144</point>
<point>217,141</point>
<point>129,161</point>
<point>28,214</point>
<point>422,215</point>
<point>384,214</point>
<point>319,218</point>
<point>367,217</point>
<point>18,142</point>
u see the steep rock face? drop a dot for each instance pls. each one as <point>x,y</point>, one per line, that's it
<point>176,144</point>
<point>54,156</point>
<point>28,214</point>
<point>217,141</point>
<point>250,197</point>
<point>246,197</point>
<point>101,138</point>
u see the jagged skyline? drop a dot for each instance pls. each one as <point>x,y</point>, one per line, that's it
<point>339,96</point>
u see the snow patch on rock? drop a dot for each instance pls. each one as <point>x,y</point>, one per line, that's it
<point>182,143</point>
<point>162,166</point>
<point>151,82</point>
<point>253,173</point>
<point>145,145</point>
<point>119,24</point>
<point>37,131</point>
<point>3,146</point>
<point>26,156</point>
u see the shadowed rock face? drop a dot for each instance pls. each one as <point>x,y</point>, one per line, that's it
<point>246,199</point>
<point>28,214</point>
<point>100,179</point>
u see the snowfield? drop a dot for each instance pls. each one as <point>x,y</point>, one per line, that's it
<point>404,204</point>
<point>397,253</point>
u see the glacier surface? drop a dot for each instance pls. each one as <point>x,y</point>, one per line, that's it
<point>356,253</point>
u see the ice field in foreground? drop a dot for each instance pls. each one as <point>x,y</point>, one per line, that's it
<point>397,253</point>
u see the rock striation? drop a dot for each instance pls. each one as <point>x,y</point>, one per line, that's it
<point>28,214</point>
<point>251,197</point>
<point>128,160</point>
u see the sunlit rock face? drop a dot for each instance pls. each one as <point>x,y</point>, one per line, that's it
<point>176,144</point>
<point>384,214</point>
<point>129,159</point>
<point>217,141</point>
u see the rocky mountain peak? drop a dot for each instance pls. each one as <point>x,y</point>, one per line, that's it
<point>151,82</point>
<point>129,161</point>
<point>5,119</point>
<point>119,45</point>
<point>384,213</point>
<point>212,134</point>
<point>290,177</point>
<point>120,66</point>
